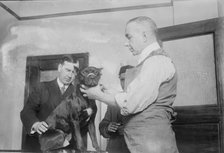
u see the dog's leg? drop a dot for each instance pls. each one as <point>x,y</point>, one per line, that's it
<point>92,134</point>
<point>77,136</point>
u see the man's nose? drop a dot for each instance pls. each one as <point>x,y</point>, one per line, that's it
<point>70,74</point>
<point>126,44</point>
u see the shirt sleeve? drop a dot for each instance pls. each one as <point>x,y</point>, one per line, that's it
<point>32,128</point>
<point>28,114</point>
<point>143,90</point>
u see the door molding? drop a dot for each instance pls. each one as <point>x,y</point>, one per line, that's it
<point>204,113</point>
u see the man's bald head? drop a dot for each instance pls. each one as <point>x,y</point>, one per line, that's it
<point>144,24</point>
<point>140,33</point>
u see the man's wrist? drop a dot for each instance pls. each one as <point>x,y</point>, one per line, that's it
<point>33,128</point>
<point>109,99</point>
<point>107,133</point>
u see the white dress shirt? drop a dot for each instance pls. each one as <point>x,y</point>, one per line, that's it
<point>60,84</point>
<point>143,90</point>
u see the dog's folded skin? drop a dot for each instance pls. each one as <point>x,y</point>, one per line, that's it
<point>59,122</point>
<point>53,139</point>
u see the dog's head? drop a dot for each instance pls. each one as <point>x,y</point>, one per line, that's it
<point>90,76</point>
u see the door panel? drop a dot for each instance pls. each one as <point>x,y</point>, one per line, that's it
<point>197,129</point>
<point>193,138</point>
<point>194,61</point>
<point>198,52</point>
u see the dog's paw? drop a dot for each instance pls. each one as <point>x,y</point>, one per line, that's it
<point>89,111</point>
<point>96,146</point>
<point>81,148</point>
<point>98,149</point>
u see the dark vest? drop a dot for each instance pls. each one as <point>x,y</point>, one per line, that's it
<point>161,109</point>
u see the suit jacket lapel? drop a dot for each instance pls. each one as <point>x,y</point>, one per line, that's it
<point>55,90</point>
<point>68,92</point>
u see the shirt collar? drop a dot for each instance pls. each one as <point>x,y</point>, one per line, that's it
<point>145,53</point>
<point>60,84</point>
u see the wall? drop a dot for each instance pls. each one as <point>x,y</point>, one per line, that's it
<point>194,10</point>
<point>221,8</point>
<point>8,104</point>
<point>102,35</point>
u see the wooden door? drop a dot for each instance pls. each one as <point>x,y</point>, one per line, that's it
<point>44,68</point>
<point>200,124</point>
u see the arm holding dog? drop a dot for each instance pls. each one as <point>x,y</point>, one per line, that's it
<point>150,90</point>
<point>97,93</point>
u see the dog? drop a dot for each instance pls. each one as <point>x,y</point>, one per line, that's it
<point>73,117</point>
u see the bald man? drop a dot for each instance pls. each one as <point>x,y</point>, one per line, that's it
<point>150,90</point>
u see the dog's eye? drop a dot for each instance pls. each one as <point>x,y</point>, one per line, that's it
<point>83,73</point>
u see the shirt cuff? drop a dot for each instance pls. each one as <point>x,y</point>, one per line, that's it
<point>32,131</point>
<point>121,100</point>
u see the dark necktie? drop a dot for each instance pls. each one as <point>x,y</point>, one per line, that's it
<point>63,89</point>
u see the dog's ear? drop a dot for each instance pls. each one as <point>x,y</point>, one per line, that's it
<point>99,69</point>
<point>82,75</point>
<point>75,82</point>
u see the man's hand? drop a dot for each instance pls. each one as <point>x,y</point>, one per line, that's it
<point>113,126</point>
<point>86,114</point>
<point>97,94</point>
<point>120,130</point>
<point>93,92</point>
<point>40,127</point>
<point>108,91</point>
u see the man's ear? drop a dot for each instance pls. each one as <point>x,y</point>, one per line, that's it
<point>59,67</point>
<point>99,69</point>
<point>145,37</point>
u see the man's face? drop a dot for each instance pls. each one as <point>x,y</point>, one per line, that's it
<point>135,38</point>
<point>67,72</point>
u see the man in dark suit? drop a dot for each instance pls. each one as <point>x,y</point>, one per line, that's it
<point>112,124</point>
<point>44,99</point>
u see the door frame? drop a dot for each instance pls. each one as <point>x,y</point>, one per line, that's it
<point>203,113</point>
<point>36,64</point>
